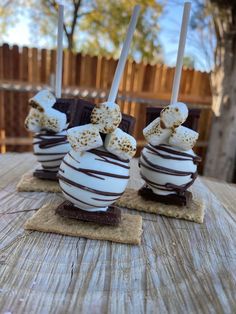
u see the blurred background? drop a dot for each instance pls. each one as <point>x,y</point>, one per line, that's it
<point>93,34</point>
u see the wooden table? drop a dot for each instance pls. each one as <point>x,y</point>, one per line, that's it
<point>181,267</point>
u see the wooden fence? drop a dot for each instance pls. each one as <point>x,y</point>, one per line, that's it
<point>141,84</point>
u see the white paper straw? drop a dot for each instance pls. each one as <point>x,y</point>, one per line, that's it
<point>59,52</point>
<point>123,56</point>
<point>179,62</point>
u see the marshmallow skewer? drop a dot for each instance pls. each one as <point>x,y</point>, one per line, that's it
<point>124,55</point>
<point>59,52</point>
<point>179,62</point>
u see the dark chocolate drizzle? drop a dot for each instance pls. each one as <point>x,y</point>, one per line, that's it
<point>78,200</point>
<point>73,158</point>
<point>165,148</point>
<point>48,140</point>
<point>169,187</point>
<point>49,154</point>
<point>85,188</point>
<point>106,156</point>
<point>96,173</point>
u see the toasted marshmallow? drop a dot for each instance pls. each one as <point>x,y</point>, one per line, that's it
<point>173,115</point>
<point>106,116</point>
<point>184,138</point>
<point>84,137</point>
<point>33,120</point>
<point>154,134</point>
<point>54,120</point>
<point>42,100</point>
<point>120,144</point>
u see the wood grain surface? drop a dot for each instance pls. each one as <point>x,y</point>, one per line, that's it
<point>180,267</point>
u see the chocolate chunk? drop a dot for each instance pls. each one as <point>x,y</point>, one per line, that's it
<point>65,105</point>
<point>110,217</point>
<point>44,174</point>
<point>171,199</point>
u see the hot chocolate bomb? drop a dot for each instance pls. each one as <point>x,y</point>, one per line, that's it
<point>93,175</point>
<point>50,141</point>
<point>167,164</point>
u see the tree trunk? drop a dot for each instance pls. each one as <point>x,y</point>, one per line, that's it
<point>221,154</point>
<point>70,42</point>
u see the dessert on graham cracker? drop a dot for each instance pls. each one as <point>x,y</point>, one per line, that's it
<point>95,172</point>
<point>168,166</point>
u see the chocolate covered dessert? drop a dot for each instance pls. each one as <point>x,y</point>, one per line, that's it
<point>95,172</point>
<point>50,142</point>
<point>168,164</point>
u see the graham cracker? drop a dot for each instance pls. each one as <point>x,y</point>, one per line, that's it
<point>45,219</point>
<point>193,212</point>
<point>29,183</point>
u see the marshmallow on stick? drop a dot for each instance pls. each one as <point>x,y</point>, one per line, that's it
<point>112,118</point>
<point>170,167</point>
<point>173,115</point>
<point>96,178</point>
<point>106,117</point>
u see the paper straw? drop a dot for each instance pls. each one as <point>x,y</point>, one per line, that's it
<point>179,62</point>
<point>123,56</point>
<point>59,52</point>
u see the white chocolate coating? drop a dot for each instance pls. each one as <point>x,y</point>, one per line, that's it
<point>50,149</point>
<point>167,169</point>
<point>93,180</point>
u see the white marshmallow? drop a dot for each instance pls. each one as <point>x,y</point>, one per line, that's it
<point>183,138</point>
<point>120,144</point>
<point>84,137</point>
<point>54,120</point>
<point>33,120</point>
<point>42,100</point>
<point>174,115</point>
<point>154,134</point>
<point>107,116</point>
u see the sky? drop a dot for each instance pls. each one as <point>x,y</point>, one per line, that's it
<point>170,23</point>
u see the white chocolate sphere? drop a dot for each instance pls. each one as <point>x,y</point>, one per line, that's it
<point>167,169</point>
<point>94,179</point>
<point>50,149</point>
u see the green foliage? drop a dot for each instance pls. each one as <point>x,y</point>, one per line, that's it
<point>189,62</point>
<point>92,26</point>
<point>107,24</point>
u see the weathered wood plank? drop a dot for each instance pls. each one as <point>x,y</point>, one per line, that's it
<point>181,267</point>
